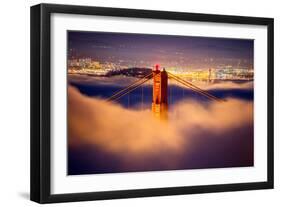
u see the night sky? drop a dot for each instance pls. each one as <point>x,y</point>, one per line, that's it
<point>170,50</point>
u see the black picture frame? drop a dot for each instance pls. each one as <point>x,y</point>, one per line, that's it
<point>41,95</point>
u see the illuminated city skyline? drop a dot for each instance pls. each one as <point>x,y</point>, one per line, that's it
<point>142,50</point>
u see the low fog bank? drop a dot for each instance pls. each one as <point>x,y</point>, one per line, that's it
<point>125,81</point>
<point>116,129</point>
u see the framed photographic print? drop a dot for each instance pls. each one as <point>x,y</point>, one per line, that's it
<point>133,103</point>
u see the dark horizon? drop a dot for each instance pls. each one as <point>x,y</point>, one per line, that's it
<point>170,50</point>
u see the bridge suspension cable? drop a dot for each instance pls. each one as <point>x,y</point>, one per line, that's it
<point>130,88</point>
<point>194,88</point>
<point>146,78</point>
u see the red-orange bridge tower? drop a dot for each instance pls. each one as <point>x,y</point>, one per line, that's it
<point>160,93</point>
<point>160,90</point>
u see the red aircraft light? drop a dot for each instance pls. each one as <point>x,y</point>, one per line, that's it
<point>157,66</point>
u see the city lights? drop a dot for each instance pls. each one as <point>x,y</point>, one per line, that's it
<point>88,66</point>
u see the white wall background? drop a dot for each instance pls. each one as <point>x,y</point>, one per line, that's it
<point>14,101</point>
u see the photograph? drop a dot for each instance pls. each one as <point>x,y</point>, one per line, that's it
<point>131,103</point>
<point>141,103</point>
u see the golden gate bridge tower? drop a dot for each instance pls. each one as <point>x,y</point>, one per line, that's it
<point>160,93</point>
<point>159,104</point>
